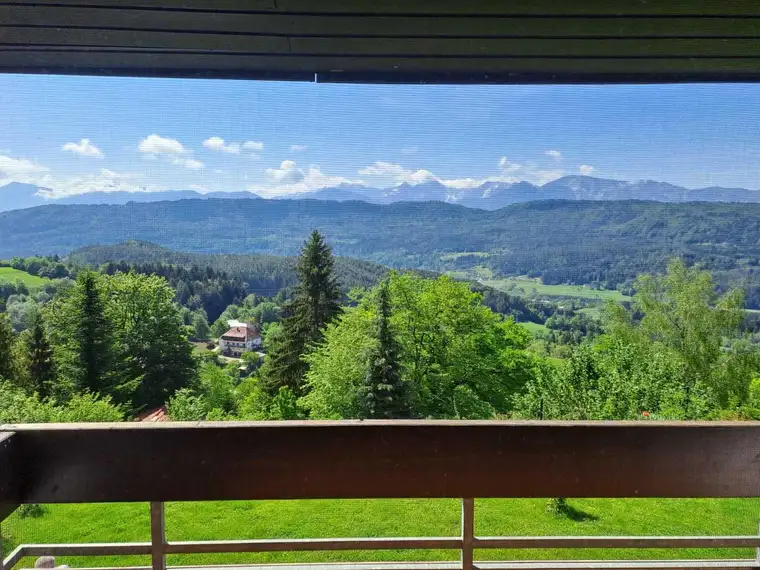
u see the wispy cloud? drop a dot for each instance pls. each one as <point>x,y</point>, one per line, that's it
<point>554,154</point>
<point>218,144</point>
<point>410,150</point>
<point>298,147</point>
<point>189,163</point>
<point>20,169</point>
<point>253,145</point>
<point>585,169</point>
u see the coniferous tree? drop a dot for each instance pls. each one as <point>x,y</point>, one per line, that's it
<point>315,304</point>
<point>7,339</point>
<point>83,336</point>
<point>38,358</point>
<point>383,394</point>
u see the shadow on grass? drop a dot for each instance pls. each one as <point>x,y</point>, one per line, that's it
<point>560,508</point>
<point>578,515</point>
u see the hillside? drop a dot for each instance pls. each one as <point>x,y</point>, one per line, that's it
<point>263,274</point>
<point>268,274</point>
<point>559,241</point>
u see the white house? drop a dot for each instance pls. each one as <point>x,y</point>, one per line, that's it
<point>241,338</point>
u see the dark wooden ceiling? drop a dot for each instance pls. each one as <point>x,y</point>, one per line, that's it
<point>484,41</point>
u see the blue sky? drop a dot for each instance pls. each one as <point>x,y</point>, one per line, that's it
<point>74,134</point>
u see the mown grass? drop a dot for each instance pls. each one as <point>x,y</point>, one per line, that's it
<point>384,518</point>
<point>13,275</point>
<point>532,288</point>
<point>535,328</point>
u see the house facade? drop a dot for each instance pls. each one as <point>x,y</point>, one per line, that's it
<point>241,338</point>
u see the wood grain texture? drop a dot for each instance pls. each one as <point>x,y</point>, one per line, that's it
<point>439,7</point>
<point>389,459</point>
<point>347,25</point>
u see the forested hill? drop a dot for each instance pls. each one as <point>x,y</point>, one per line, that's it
<point>560,241</point>
<point>268,274</point>
<point>263,274</point>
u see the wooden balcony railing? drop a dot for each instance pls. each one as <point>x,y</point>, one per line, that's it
<point>298,460</point>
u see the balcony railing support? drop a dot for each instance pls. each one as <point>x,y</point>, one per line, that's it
<point>468,533</point>
<point>158,536</point>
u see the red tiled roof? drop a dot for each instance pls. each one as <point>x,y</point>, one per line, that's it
<point>155,415</point>
<point>241,333</point>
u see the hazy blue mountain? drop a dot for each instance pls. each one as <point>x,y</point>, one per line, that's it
<point>490,195</point>
<point>15,196</point>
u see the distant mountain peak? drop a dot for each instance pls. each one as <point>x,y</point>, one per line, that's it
<point>490,195</point>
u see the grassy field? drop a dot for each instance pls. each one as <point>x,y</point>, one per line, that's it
<point>12,275</point>
<point>384,518</point>
<point>532,287</point>
<point>535,327</point>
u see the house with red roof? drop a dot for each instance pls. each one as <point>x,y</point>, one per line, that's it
<point>240,338</point>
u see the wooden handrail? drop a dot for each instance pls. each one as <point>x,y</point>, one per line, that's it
<point>416,459</point>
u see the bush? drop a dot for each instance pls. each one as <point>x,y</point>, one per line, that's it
<point>31,511</point>
<point>210,346</point>
<point>558,507</point>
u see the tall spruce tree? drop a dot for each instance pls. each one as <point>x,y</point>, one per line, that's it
<point>7,340</point>
<point>38,358</point>
<point>383,394</point>
<point>92,337</point>
<point>315,304</point>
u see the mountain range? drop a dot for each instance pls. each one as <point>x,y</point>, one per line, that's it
<point>490,195</point>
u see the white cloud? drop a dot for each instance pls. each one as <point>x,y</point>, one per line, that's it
<point>390,173</point>
<point>217,143</point>
<point>104,181</point>
<point>555,154</point>
<point>289,178</point>
<point>20,170</point>
<point>288,173</point>
<point>83,148</point>
<point>198,187</point>
<point>155,144</point>
<point>507,166</point>
<point>585,169</point>
<point>410,150</point>
<point>253,145</point>
<point>190,163</point>
<point>387,174</point>
<point>298,147</point>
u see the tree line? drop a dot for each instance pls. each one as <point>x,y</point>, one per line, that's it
<point>115,343</point>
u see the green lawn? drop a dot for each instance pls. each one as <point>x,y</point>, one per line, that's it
<point>532,287</point>
<point>535,327</point>
<point>12,275</point>
<point>378,518</point>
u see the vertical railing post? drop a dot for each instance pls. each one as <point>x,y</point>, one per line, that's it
<point>468,532</point>
<point>2,564</point>
<point>158,536</point>
<point>757,550</point>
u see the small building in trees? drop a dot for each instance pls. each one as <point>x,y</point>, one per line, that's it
<point>240,338</point>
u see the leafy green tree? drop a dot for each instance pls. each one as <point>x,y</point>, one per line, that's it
<point>18,407</point>
<point>7,340</point>
<point>186,406</point>
<point>314,306</point>
<point>457,357</point>
<point>685,315</point>
<point>38,361</point>
<point>384,393</point>
<point>201,330</point>
<point>155,358</point>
